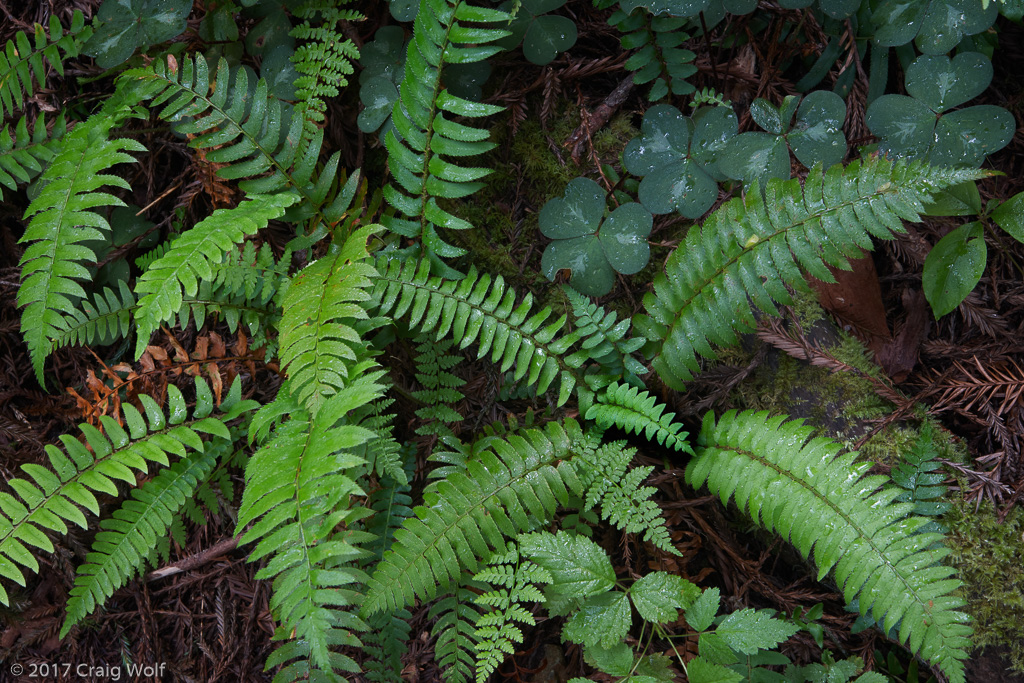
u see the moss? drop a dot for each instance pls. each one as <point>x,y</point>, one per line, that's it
<point>988,558</point>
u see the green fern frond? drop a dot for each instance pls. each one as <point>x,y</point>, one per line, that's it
<point>384,644</point>
<point>130,536</point>
<point>606,476</point>
<point>817,499</point>
<point>916,475</point>
<point>756,247</point>
<point>318,340</point>
<point>638,412</point>
<point>325,61</point>
<point>248,134</point>
<point>298,494</point>
<point>440,388</point>
<point>496,631</point>
<point>658,57</point>
<point>445,32</point>
<point>455,631</point>
<point>479,309</point>
<point>48,499</point>
<point>104,320</point>
<point>193,255</point>
<point>607,341</point>
<point>22,157</point>
<point>20,61</point>
<point>516,486</point>
<point>61,220</point>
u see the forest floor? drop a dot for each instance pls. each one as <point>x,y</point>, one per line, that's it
<point>208,618</point>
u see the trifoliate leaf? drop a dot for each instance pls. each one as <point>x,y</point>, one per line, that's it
<point>579,567</point>
<point>384,55</point>
<point>966,136</point>
<point>578,212</point>
<point>122,26</point>
<point>942,83</point>
<point>938,25</point>
<point>953,267</point>
<point>584,257</point>
<point>755,157</point>
<point>623,238</point>
<point>603,620</point>
<point>378,96</point>
<point>817,136</point>
<point>748,631</point>
<point>659,595</point>
<point>905,126</point>
<point>702,612</point>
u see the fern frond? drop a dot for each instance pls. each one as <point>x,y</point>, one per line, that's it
<point>20,61</point>
<point>325,61</point>
<point>298,492</point>
<point>384,644</point>
<point>22,157</point>
<point>193,255</point>
<point>479,309</point>
<point>107,318</point>
<point>318,340</point>
<point>48,499</point>
<point>61,220</point>
<point>658,57</point>
<point>440,388</point>
<point>755,247</point>
<point>606,476</point>
<point>455,631</point>
<point>248,134</point>
<point>638,412</point>
<point>607,341</point>
<point>916,475</point>
<point>418,160</point>
<point>822,501</point>
<point>514,487</point>
<point>130,536</point>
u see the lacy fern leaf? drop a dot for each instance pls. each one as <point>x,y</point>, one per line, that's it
<point>21,60</point>
<point>453,32</point>
<point>193,255</point>
<point>53,496</point>
<point>61,220</point>
<point>817,499</point>
<point>755,247</point>
<point>455,631</point>
<point>22,157</point>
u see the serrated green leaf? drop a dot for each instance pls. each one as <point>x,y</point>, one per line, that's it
<point>748,631</point>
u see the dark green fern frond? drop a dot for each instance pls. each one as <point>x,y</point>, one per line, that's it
<point>755,247</point>
<point>455,631</point>
<point>62,218</point>
<point>608,480</point>
<point>608,342</point>
<point>249,134</point>
<point>516,486</point>
<point>638,412</point>
<point>384,644</point>
<point>658,58</point>
<point>319,343</point>
<point>193,255</point>
<point>479,309</point>
<point>325,61</point>
<point>22,157</point>
<point>105,319</point>
<point>440,388</point>
<point>916,474</point>
<point>50,498</point>
<point>423,116</point>
<point>822,501</point>
<point>132,533</point>
<point>21,60</point>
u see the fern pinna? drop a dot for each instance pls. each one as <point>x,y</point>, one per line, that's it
<point>52,497</point>
<point>22,157</point>
<point>755,247</point>
<point>445,32</point>
<point>782,481</point>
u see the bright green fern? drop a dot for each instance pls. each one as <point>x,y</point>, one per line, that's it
<point>755,247</point>
<point>783,481</point>
<point>22,157</point>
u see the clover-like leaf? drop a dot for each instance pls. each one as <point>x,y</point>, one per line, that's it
<point>675,8</point>
<point>755,157</point>
<point>921,127</point>
<point>384,55</point>
<point>589,245</point>
<point>817,136</point>
<point>677,157</point>
<point>404,10</point>
<point>543,37</point>
<point>122,26</point>
<point>953,267</point>
<point>378,96</point>
<point>937,25</point>
<point>942,83</point>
